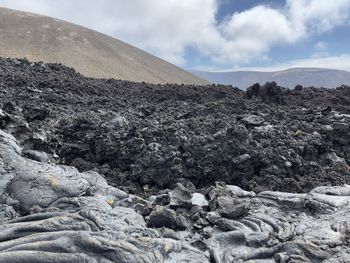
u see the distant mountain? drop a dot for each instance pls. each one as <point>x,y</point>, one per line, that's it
<point>317,77</point>
<point>42,38</point>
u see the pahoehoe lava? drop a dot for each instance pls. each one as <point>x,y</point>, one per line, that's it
<point>142,136</point>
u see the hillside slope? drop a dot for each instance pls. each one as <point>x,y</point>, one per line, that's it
<point>42,38</point>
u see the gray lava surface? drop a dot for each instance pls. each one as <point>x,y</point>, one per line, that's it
<point>53,213</point>
<point>102,170</point>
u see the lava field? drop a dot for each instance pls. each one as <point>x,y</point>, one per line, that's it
<point>144,137</point>
<point>103,170</point>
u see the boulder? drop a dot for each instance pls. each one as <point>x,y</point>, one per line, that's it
<point>163,200</point>
<point>180,197</point>
<point>199,200</point>
<point>232,208</point>
<point>163,217</point>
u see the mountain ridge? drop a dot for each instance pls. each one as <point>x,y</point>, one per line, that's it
<point>317,77</point>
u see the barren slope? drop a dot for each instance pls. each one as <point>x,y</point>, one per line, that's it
<point>41,38</point>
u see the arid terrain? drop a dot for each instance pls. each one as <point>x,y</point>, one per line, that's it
<point>42,38</point>
<point>143,135</point>
<point>103,170</point>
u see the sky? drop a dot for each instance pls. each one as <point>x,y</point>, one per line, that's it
<point>217,35</point>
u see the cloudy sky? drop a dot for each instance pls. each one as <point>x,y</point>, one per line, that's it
<point>217,34</point>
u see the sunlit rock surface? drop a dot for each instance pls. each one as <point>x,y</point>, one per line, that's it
<point>53,213</point>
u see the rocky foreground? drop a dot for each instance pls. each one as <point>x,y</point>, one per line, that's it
<point>113,171</point>
<point>53,213</point>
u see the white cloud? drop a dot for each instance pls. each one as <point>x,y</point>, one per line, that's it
<point>318,15</point>
<point>164,28</point>
<point>252,33</point>
<point>167,28</point>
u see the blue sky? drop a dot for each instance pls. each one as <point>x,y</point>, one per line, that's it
<point>217,35</point>
<point>317,46</point>
<point>228,7</point>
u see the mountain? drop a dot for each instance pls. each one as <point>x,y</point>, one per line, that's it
<point>317,77</point>
<point>42,38</point>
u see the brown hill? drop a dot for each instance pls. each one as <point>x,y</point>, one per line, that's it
<point>42,38</point>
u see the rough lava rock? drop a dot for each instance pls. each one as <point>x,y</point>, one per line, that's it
<point>53,213</point>
<point>102,170</point>
<point>180,197</point>
<point>144,138</point>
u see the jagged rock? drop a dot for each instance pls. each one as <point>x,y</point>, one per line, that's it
<point>224,199</point>
<point>188,184</point>
<point>180,197</point>
<point>143,209</point>
<point>212,217</point>
<point>207,232</point>
<point>140,205</point>
<point>138,134</point>
<point>37,156</point>
<point>73,217</point>
<point>253,120</point>
<point>220,189</point>
<point>86,215</point>
<point>225,224</point>
<point>232,208</point>
<point>327,111</point>
<point>163,199</point>
<point>199,200</point>
<point>239,192</point>
<point>200,223</point>
<point>163,217</point>
<point>242,158</point>
<point>181,222</point>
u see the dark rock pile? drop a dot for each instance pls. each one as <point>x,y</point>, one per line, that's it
<point>145,137</point>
